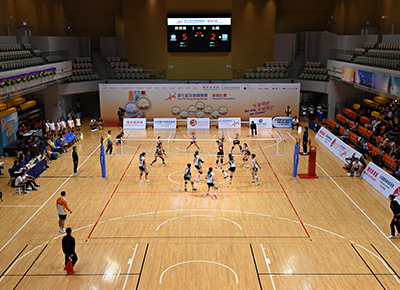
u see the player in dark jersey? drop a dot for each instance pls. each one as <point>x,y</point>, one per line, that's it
<point>246,153</point>
<point>197,164</point>
<point>231,168</point>
<point>211,182</point>
<point>142,167</point>
<point>188,177</point>
<point>158,153</point>
<point>236,141</point>
<point>193,142</point>
<point>220,153</point>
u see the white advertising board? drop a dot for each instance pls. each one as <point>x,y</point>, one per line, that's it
<point>381,180</point>
<point>229,123</point>
<point>198,123</point>
<point>335,145</point>
<point>282,122</point>
<point>165,123</point>
<point>262,122</point>
<point>134,123</point>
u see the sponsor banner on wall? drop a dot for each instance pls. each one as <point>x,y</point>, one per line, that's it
<point>262,122</point>
<point>335,145</point>
<point>9,128</point>
<point>395,86</point>
<point>183,101</point>
<point>165,123</point>
<point>376,81</point>
<point>198,123</point>
<point>348,75</point>
<point>229,123</point>
<point>134,123</point>
<point>381,180</point>
<point>282,122</point>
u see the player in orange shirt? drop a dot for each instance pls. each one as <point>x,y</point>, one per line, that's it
<point>62,208</point>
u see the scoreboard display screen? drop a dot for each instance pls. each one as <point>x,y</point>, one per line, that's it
<point>199,33</point>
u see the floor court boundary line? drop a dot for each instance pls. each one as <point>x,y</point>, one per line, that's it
<point>130,262</point>
<point>287,196</point>
<point>141,268</point>
<point>115,189</point>
<point>51,196</point>
<point>353,202</point>
<point>267,262</point>
<point>255,265</point>
<point>197,215</point>
<point>13,260</point>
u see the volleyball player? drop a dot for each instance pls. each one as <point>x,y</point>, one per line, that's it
<point>59,128</point>
<point>142,167</point>
<point>254,169</point>
<point>63,125</point>
<point>236,141</point>
<point>71,124</point>
<point>188,177</point>
<point>158,153</point>
<point>231,168</point>
<point>246,153</point>
<point>220,153</point>
<point>159,143</point>
<point>197,165</point>
<point>109,143</point>
<point>193,142</point>
<point>52,126</point>
<point>78,125</point>
<point>211,182</point>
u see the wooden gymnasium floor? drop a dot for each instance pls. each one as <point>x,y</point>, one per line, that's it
<point>287,233</point>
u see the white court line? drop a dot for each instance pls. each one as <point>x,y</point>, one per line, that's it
<point>267,261</point>
<point>130,262</point>
<point>21,205</point>
<point>353,202</point>
<point>199,215</point>
<point>200,261</point>
<point>55,192</point>
<point>169,138</point>
<point>204,210</point>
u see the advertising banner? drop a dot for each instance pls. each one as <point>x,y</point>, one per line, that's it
<point>134,123</point>
<point>262,122</point>
<point>381,180</point>
<point>282,122</point>
<point>348,75</point>
<point>198,123</point>
<point>335,145</point>
<point>395,86</point>
<point>165,123</point>
<point>376,81</point>
<point>183,101</point>
<point>229,123</point>
<point>9,128</point>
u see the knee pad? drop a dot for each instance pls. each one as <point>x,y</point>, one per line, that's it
<point>186,182</point>
<point>216,161</point>
<point>141,174</point>
<point>201,173</point>
<point>192,182</point>
<point>147,173</point>
<point>222,160</point>
<point>240,147</point>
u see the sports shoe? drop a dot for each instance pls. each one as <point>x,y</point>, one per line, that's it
<point>140,181</point>
<point>147,181</point>
<point>253,181</point>
<point>243,163</point>
<point>226,176</point>
<point>258,183</point>
<point>208,193</point>
<point>230,182</point>
<point>26,192</point>
<point>397,234</point>
<point>62,230</point>
<point>391,237</point>
<point>75,173</point>
<point>216,167</point>
<point>164,163</point>
<point>37,185</point>
<point>215,196</point>
<point>185,189</point>
<point>349,174</point>
<point>185,150</point>
<point>34,189</point>
<point>151,165</point>
<point>247,166</point>
<point>194,189</point>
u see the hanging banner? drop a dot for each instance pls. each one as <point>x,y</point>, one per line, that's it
<point>348,75</point>
<point>9,128</point>
<point>229,123</point>
<point>164,123</point>
<point>376,81</point>
<point>395,86</point>
<point>198,123</point>
<point>134,123</point>
<point>262,122</point>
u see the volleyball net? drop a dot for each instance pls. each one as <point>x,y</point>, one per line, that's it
<point>208,145</point>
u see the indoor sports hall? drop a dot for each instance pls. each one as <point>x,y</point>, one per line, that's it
<point>158,144</point>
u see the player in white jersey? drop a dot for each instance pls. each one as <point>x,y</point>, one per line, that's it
<point>71,124</point>
<point>142,167</point>
<point>236,141</point>
<point>197,165</point>
<point>193,142</point>
<point>78,125</point>
<point>231,168</point>
<point>52,126</point>
<point>63,125</point>
<point>158,153</point>
<point>59,128</point>
<point>220,153</point>
<point>246,153</point>
<point>188,177</point>
<point>254,169</point>
<point>159,143</point>
<point>211,182</point>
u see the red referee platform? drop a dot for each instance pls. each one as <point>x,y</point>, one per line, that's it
<point>312,162</point>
